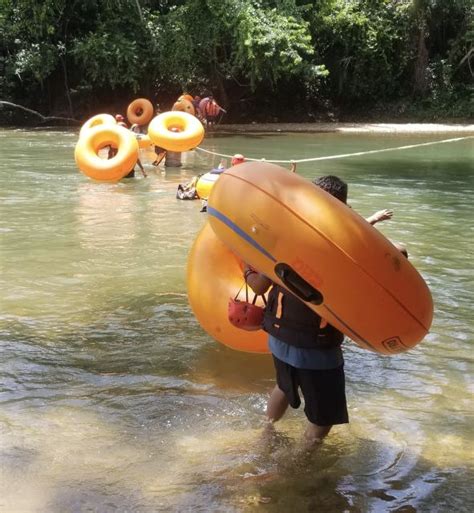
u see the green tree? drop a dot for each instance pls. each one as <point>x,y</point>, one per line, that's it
<point>244,42</point>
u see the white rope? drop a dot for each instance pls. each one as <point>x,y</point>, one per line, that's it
<point>343,155</point>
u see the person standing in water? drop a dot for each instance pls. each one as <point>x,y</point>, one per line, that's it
<point>306,350</point>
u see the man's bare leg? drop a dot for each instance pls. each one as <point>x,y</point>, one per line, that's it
<point>277,404</point>
<point>314,434</point>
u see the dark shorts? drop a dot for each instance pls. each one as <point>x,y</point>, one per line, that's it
<point>324,392</point>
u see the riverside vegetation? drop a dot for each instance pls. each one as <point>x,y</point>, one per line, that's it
<point>341,59</point>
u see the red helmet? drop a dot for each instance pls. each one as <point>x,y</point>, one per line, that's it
<point>237,159</point>
<point>244,315</point>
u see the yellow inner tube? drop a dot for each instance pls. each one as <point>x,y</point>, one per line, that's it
<point>91,164</point>
<point>176,131</point>
<point>205,184</point>
<point>99,119</point>
<point>140,111</point>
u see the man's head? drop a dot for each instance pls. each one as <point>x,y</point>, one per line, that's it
<point>237,159</point>
<point>334,185</point>
<point>401,247</point>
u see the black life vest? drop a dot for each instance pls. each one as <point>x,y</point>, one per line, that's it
<point>291,321</point>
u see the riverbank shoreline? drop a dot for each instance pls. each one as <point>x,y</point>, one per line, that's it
<point>322,127</point>
<point>361,128</point>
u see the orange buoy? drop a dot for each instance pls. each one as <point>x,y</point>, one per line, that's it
<point>323,252</point>
<point>214,274</point>
<point>93,140</point>
<point>140,111</point>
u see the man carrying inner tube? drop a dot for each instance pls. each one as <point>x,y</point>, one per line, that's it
<point>237,159</point>
<point>112,151</point>
<point>306,349</point>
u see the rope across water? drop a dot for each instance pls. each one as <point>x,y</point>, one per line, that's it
<point>342,155</point>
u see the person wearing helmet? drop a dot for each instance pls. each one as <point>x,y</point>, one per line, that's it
<point>120,120</point>
<point>237,159</point>
<point>112,151</point>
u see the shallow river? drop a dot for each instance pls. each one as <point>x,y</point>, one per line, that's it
<point>112,398</point>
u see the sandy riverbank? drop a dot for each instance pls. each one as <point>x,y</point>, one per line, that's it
<point>382,128</point>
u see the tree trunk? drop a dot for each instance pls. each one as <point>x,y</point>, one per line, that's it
<point>44,119</point>
<point>420,84</point>
<point>66,87</point>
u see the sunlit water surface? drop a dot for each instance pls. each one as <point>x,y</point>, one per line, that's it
<point>114,399</point>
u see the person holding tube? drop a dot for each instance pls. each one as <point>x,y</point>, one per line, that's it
<point>306,350</point>
<point>237,159</point>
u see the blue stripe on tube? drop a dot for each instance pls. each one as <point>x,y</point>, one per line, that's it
<point>230,224</point>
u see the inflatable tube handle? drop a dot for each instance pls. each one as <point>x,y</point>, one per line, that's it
<point>298,285</point>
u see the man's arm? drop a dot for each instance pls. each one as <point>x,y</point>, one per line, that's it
<point>258,282</point>
<point>141,167</point>
<point>380,215</point>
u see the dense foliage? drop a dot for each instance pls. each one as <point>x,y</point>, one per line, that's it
<point>290,60</point>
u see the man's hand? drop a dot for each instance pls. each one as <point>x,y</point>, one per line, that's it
<point>380,215</point>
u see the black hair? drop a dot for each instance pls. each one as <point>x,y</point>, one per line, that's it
<point>334,185</point>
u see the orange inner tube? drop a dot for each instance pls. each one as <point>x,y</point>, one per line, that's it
<point>140,111</point>
<point>186,97</point>
<point>322,251</point>
<point>214,274</point>
<point>183,105</point>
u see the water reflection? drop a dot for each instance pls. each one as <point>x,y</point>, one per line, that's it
<point>106,216</point>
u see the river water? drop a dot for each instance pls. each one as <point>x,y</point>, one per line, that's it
<point>112,398</point>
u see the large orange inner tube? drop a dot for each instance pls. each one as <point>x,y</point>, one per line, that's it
<point>91,164</point>
<point>214,274</point>
<point>325,253</point>
<point>176,131</point>
<point>140,111</point>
